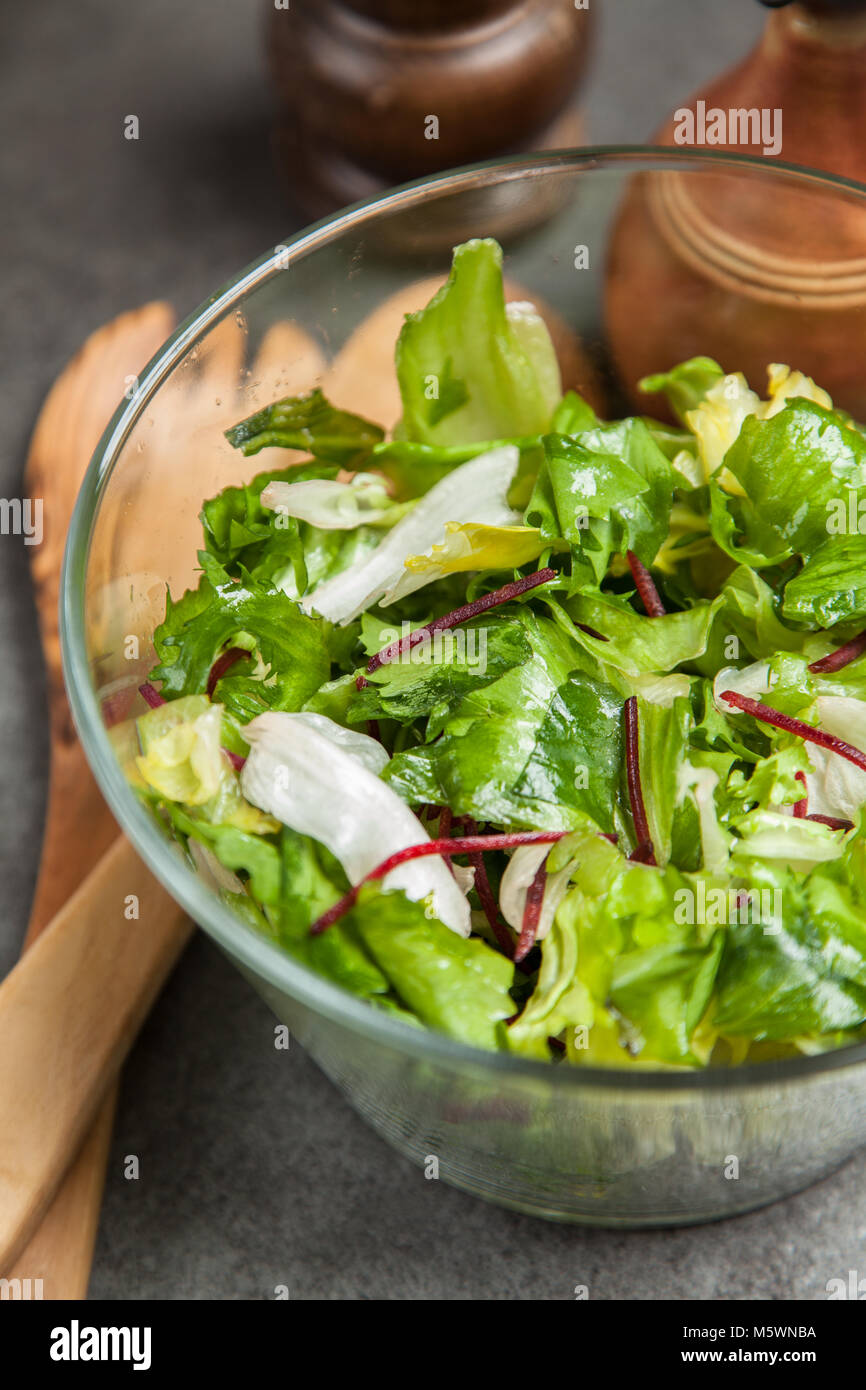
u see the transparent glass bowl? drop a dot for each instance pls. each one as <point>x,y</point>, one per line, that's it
<point>607,1147</point>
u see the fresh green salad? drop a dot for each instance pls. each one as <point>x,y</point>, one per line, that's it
<point>541,730</point>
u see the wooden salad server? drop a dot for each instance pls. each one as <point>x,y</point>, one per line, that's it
<point>71,1008</point>
<point>79,828</point>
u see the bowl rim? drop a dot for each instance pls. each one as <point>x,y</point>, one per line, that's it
<point>256,952</point>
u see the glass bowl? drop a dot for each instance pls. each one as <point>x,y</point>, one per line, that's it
<point>584,238</point>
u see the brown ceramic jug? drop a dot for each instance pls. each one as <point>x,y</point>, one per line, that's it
<point>729,265</point>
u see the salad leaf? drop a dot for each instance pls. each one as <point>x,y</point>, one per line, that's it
<point>311,881</point>
<point>831,586</point>
<point>289,650</point>
<point>475,491</point>
<point>792,469</point>
<point>803,979</point>
<point>605,491</point>
<point>311,424</point>
<point>577,756</point>
<point>470,546</point>
<point>437,673</point>
<point>253,855</point>
<point>685,385</point>
<point>637,645</point>
<point>458,986</point>
<point>751,614</point>
<point>183,760</point>
<point>717,417</point>
<point>239,530</point>
<point>481,748</point>
<point>663,732</point>
<point>471,368</point>
<point>330,504</point>
<point>311,782</point>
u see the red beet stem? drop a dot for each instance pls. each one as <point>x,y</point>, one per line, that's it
<point>459,615</point>
<point>531,913</point>
<point>464,844</point>
<point>151,695</point>
<point>801,807</point>
<point>222,664</point>
<point>644,853</point>
<point>591,632</point>
<point>488,903</point>
<point>485,893</point>
<point>842,656</point>
<point>795,726</point>
<point>116,707</point>
<point>834,822</point>
<point>444,831</point>
<point>649,594</point>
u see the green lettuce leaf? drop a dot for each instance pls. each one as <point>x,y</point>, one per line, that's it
<point>482,748</point>
<point>685,385</point>
<point>831,586</point>
<point>456,984</point>
<point>635,644</point>
<point>605,491</point>
<point>291,649</point>
<point>468,367</point>
<point>437,673</point>
<point>310,424</point>
<point>311,881</point>
<point>792,468</point>
<point>806,978</point>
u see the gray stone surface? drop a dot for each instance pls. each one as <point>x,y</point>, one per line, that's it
<point>253,1171</point>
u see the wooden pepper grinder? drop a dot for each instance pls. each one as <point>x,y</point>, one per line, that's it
<point>375,92</point>
<point>741,269</point>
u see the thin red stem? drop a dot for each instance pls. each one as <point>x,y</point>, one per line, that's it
<point>459,615</point>
<point>444,832</point>
<point>151,695</point>
<point>531,913</point>
<point>221,665</point>
<point>486,898</point>
<point>591,632</point>
<point>801,807</point>
<point>842,656</point>
<point>464,844</point>
<point>644,853</point>
<point>649,594</point>
<point>795,726</point>
<point>834,822</point>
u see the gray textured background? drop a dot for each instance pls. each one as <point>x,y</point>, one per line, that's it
<point>253,1172</point>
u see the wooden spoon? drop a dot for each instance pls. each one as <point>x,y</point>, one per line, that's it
<point>71,1008</point>
<point>78,827</point>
